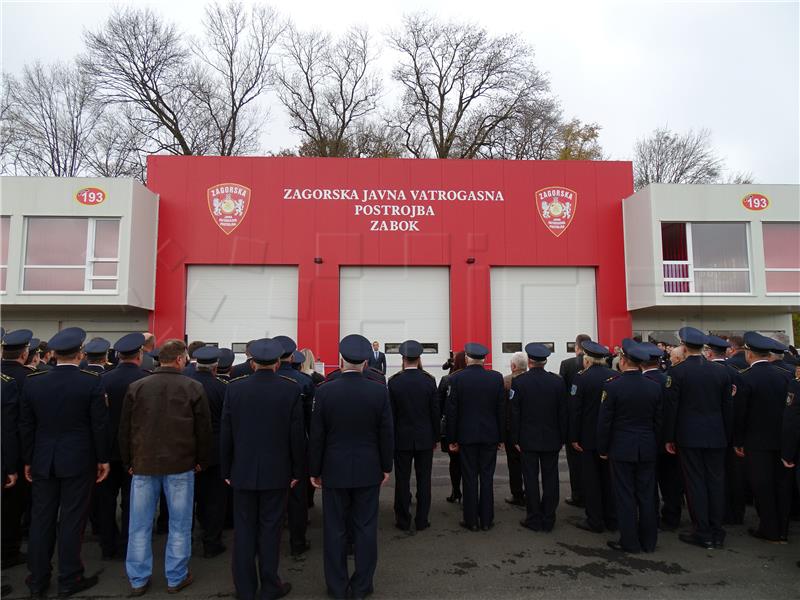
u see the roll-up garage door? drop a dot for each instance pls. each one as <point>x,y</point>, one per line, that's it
<point>393,304</point>
<point>229,305</point>
<point>550,305</point>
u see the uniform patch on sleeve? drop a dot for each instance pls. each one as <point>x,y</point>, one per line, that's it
<point>669,382</point>
<point>603,396</point>
<point>511,394</point>
<point>733,389</point>
<point>573,390</point>
<point>790,399</point>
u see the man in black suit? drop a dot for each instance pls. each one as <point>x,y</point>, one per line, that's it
<point>475,425</point>
<point>569,368</point>
<point>262,444</point>
<point>377,359</point>
<point>415,408</point>
<point>114,539</point>
<point>698,427</point>
<point>538,430</point>
<point>350,457</point>
<point>64,432</point>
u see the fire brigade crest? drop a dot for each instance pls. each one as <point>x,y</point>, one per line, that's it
<point>556,206</point>
<point>228,204</point>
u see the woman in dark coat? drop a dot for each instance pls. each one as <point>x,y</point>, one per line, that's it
<point>458,362</point>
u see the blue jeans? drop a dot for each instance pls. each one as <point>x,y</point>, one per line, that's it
<point>145,491</point>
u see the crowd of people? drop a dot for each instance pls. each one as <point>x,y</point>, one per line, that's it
<point>105,432</point>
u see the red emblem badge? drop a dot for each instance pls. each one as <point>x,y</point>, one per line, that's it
<point>228,204</point>
<point>556,206</point>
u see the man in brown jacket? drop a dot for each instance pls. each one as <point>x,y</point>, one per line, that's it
<point>164,438</point>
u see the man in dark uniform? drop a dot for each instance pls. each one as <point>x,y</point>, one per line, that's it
<point>568,369</point>
<point>736,357</point>
<point>790,431</point>
<point>698,427</point>
<point>10,444</point>
<point>415,408</point>
<point>297,505</point>
<point>211,493</point>
<point>761,400</point>
<point>584,406</point>
<point>224,364</point>
<point>245,368</point>
<point>114,539</point>
<point>369,373</point>
<point>668,468</point>
<point>15,499</point>
<point>64,432</point>
<point>628,428</point>
<point>538,430</point>
<point>96,351</point>
<point>262,446</point>
<point>475,421</point>
<point>350,457</point>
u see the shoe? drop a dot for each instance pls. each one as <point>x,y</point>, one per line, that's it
<point>213,550</point>
<point>760,536</point>
<point>575,503</point>
<point>690,538</point>
<point>718,544</point>
<point>19,559</point>
<point>286,587</point>
<point>37,593</point>
<point>515,501</point>
<point>300,549</point>
<point>527,525</point>
<point>82,584</point>
<point>454,497</point>
<point>618,547</point>
<point>139,591</point>
<point>423,526</point>
<point>487,527</point>
<point>586,527</point>
<point>470,527</point>
<point>174,589</point>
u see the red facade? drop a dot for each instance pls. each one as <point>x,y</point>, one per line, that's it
<point>511,231</point>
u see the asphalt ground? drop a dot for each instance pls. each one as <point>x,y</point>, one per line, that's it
<point>509,561</point>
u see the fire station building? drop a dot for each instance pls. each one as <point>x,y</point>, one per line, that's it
<point>443,251</point>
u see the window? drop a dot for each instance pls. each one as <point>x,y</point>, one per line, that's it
<point>782,257</point>
<point>5,228</point>
<point>511,347</point>
<point>705,258</point>
<point>71,255</point>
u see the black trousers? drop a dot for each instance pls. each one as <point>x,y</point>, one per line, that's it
<point>575,474</point>
<point>211,495</point>
<point>735,477</point>
<point>62,501</point>
<point>14,504</point>
<point>598,491</point>
<point>541,506</point>
<point>670,484</point>
<point>118,483</point>
<point>704,478</point>
<point>514,461</point>
<point>635,495</point>
<point>478,462</point>
<point>359,506</point>
<point>455,471</point>
<point>258,523</point>
<point>423,464</point>
<point>297,509</point>
<point>772,491</point>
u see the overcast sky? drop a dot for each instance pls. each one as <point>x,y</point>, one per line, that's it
<point>731,67</point>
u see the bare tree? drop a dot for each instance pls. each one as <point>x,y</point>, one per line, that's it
<point>533,133</point>
<point>236,68</point>
<point>329,88</point>
<point>117,148</point>
<point>459,83</point>
<point>48,117</point>
<point>668,157</point>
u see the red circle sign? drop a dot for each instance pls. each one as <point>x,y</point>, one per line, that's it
<point>755,202</point>
<point>90,196</point>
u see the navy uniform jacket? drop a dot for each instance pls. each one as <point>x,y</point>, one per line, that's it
<point>415,409</point>
<point>307,388</point>
<point>262,439</point>
<point>99,369</point>
<point>476,406</point>
<point>241,369</point>
<point>699,404</point>
<point>538,411</point>
<point>569,368</point>
<point>10,439</point>
<point>761,397</point>
<point>790,428</point>
<point>584,404</point>
<point>737,361</point>
<point>352,435</point>
<point>629,421</point>
<point>63,422</point>
<point>17,371</point>
<point>215,392</point>
<point>116,384</point>
<point>368,373</point>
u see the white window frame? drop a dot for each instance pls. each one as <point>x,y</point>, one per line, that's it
<point>8,250</point>
<point>88,266</point>
<point>778,269</point>
<point>692,269</point>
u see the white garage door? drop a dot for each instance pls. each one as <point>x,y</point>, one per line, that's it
<point>393,304</point>
<point>229,305</point>
<point>540,304</point>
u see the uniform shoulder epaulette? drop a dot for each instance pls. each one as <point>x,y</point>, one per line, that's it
<point>288,379</point>
<point>35,373</point>
<point>745,370</point>
<point>612,378</point>
<point>90,372</point>
<point>580,372</point>
<point>395,375</point>
<point>428,374</point>
<point>6,378</point>
<point>225,381</point>
<point>240,377</point>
